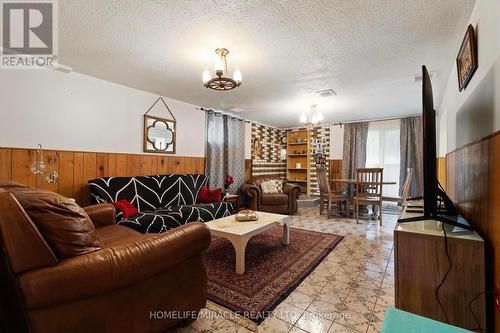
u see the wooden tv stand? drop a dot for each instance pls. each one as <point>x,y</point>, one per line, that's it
<point>420,263</point>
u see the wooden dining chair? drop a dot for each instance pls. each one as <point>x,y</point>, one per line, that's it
<point>326,196</point>
<point>369,191</point>
<point>406,187</point>
<point>405,192</point>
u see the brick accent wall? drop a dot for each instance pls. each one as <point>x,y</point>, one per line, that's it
<point>268,161</point>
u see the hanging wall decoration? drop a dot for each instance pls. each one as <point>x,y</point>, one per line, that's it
<point>40,170</point>
<point>257,148</point>
<point>467,58</point>
<point>159,133</point>
<point>319,150</point>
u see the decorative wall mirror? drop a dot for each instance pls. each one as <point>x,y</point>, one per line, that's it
<point>159,133</point>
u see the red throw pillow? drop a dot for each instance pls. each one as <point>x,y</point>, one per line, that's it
<point>216,195</point>
<point>126,208</point>
<point>204,195</point>
<point>210,196</point>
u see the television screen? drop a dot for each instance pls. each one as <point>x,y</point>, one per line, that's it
<point>429,132</point>
<point>436,204</point>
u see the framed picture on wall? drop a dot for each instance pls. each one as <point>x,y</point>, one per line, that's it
<point>467,58</point>
<point>159,132</point>
<point>257,148</point>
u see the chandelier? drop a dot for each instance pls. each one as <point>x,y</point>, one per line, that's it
<point>311,118</point>
<point>221,82</point>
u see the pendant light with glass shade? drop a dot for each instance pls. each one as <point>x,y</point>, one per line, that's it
<point>221,82</point>
<point>311,118</point>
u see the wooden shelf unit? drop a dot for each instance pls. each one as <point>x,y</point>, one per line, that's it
<point>299,152</point>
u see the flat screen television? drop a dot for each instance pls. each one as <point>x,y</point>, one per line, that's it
<point>436,204</point>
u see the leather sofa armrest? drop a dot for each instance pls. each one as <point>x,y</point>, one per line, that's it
<point>114,267</point>
<point>290,188</point>
<point>252,196</point>
<point>293,192</point>
<point>101,214</point>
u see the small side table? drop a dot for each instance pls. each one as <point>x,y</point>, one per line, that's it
<point>235,200</point>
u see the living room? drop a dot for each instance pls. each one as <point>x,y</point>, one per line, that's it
<point>249,166</point>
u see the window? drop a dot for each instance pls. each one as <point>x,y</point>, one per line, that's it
<point>383,151</point>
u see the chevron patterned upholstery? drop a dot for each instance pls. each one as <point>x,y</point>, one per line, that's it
<point>163,202</point>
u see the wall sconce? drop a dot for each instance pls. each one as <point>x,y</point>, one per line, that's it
<point>38,168</point>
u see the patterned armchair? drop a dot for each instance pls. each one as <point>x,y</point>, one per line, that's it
<point>284,202</point>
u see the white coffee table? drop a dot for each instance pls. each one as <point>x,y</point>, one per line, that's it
<point>239,233</point>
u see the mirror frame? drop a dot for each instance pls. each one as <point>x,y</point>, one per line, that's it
<point>170,124</point>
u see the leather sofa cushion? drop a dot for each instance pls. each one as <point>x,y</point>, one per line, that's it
<point>10,184</point>
<point>274,199</point>
<point>110,233</point>
<point>17,231</point>
<point>64,225</point>
<point>101,214</point>
<point>123,262</point>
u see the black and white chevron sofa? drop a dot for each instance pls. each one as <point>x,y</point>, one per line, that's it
<point>163,202</point>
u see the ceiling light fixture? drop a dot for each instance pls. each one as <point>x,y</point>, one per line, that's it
<point>221,82</point>
<point>312,118</point>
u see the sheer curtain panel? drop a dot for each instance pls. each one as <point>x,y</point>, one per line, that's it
<point>383,151</point>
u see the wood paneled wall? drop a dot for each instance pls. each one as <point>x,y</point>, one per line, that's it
<point>473,183</point>
<point>441,171</point>
<point>76,168</point>
<point>335,171</point>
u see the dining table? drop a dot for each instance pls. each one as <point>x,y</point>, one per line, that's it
<point>353,181</point>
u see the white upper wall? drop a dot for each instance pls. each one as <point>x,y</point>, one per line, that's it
<point>248,140</point>
<point>475,112</point>
<point>336,142</point>
<point>79,112</point>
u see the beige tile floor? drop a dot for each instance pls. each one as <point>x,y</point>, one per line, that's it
<point>347,292</point>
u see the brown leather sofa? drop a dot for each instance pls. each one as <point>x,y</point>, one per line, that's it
<point>126,286</point>
<point>280,203</point>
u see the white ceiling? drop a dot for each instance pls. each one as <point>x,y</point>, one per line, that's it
<point>367,51</point>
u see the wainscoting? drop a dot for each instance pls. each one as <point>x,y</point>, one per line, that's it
<point>335,171</point>
<point>76,168</point>
<point>441,171</point>
<point>473,183</point>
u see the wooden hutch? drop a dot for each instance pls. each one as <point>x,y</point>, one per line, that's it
<point>298,160</point>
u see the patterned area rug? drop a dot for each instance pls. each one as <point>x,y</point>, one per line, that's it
<point>273,270</point>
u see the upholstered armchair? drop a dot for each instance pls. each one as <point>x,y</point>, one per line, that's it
<point>117,288</point>
<point>284,202</point>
